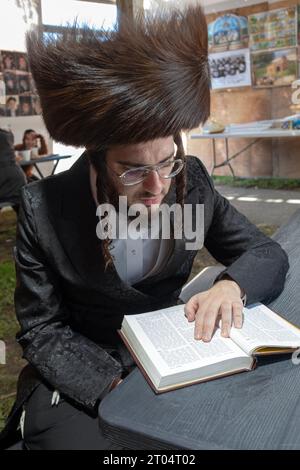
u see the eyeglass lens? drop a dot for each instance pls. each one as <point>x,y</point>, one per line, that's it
<point>167,170</point>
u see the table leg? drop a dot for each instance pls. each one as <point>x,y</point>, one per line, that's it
<point>214,156</point>
<point>39,171</point>
<point>54,168</point>
<point>227,157</point>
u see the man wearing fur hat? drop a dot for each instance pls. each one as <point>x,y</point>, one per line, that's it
<point>125,96</point>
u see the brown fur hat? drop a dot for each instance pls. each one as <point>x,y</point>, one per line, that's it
<point>148,80</point>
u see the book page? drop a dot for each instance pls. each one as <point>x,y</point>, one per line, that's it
<point>168,339</point>
<point>262,327</point>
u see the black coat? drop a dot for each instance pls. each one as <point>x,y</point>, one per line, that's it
<point>69,309</point>
<point>12,177</point>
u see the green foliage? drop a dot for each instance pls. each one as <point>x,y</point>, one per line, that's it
<point>7,283</point>
<point>261,183</point>
<point>5,407</point>
<point>8,323</point>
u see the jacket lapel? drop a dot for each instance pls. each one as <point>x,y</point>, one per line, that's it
<point>77,230</point>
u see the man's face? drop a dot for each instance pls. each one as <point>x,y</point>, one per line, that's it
<point>151,190</point>
<point>12,104</point>
<point>25,108</point>
<point>10,83</point>
<point>8,62</point>
<point>22,63</point>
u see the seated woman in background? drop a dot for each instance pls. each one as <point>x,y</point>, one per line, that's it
<point>32,140</point>
<point>12,177</point>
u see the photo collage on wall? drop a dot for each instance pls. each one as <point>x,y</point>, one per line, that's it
<point>17,91</point>
<point>229,55</point>
<point>259,50</point>
<point>273,43</point>
<point>230,69</point>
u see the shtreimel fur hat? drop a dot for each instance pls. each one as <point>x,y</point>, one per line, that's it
<point>149,79</point>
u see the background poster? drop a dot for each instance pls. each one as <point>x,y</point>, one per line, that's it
<point>230,69</point>
<point>274,68</point>
<point>228,32</point>
<point>17,90</point>
<point>298,32</point>
<point>2,89</point>
<point>273,29</point>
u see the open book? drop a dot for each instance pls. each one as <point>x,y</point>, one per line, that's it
<point>163,345</point>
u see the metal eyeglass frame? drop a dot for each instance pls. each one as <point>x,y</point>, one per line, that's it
<point>149,168</point>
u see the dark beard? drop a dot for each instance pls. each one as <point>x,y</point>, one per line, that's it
<point>113,195</point>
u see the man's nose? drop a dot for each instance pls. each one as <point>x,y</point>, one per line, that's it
<point>153,183</point>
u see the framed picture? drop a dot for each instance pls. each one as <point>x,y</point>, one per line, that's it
<point>274,68</point>
<point>8,60</point>
<point>23,83</point>
<point>25,106</point>
<point>11,108</point>
<point>228,32</point>
<point>36,105</point>
<point>18,95</point>
<point>21,61</point>
<point>230,69</point>
<point>273,29</point>
<point>11,82</point>
<point>2,90</point>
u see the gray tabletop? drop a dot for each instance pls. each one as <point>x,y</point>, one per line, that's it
<point>46,158</point>
<point>252,410</point>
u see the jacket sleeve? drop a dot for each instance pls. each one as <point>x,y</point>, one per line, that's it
<point>68,361</point>
<point>256,262</point>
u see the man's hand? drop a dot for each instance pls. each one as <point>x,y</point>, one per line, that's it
<point>223,300</point>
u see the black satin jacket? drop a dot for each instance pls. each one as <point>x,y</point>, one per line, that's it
<point>69,308</point>
<point>12,177</point>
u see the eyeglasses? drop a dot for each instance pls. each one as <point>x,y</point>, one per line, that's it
<point>165,170</point>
